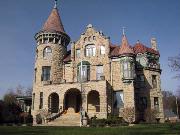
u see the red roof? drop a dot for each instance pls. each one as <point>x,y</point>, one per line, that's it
<point>114,50</point>
<point>125,47</point>
<point>140,48</point>
<point>54,22</point>
<point>67,58</point>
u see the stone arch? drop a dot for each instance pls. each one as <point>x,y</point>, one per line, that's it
<point>93,101</point>
<point>72,100</point>
<point>53,102</point>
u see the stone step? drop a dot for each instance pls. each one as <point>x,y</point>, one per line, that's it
<point>66,120</point>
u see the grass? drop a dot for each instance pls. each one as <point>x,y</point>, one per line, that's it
<point>145,129</point>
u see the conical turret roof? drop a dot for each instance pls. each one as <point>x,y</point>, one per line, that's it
<point>54,22</point>
<point>125,48</point>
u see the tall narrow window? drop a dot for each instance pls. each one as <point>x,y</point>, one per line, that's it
<point>41,100</point>
<point>78,53</point>
<point>90,50</point>
<point>128,70</point>
<point>85,76</point>
<point>46,73</point>
<point>156,103</point>
<point>99,72</point>
<point>118,99</point>
<point>154,81</point>
<point>102,50</point>
<point>85,73</point>
<point>35,73</point>
<point>47,52</point>
<point>33,98</point>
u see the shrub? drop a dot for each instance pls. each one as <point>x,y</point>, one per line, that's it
<point>38,119</point>
<point>151,115</point>
<point>110,121</point>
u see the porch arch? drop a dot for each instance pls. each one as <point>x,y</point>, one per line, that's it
<point>72,100</point>
<point>53,102</point>
<point>93,101</point>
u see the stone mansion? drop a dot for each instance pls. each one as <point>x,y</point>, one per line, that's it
<point>95,75</point>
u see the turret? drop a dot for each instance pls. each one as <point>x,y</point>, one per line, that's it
<point>127,60</point>
<point>52,42</point>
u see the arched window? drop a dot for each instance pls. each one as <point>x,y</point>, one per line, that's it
<point>102,50</point>
<point>47,52</point>
<point>128,70</point>
<point>90,50</point>
<point>84,74</point>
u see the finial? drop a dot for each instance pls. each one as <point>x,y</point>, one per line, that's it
<point>55,3</point>
<point>123,30</point>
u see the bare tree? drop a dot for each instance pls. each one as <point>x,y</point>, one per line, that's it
<point>19,90</point>
<point>174,63</point>
<point>28,91</point>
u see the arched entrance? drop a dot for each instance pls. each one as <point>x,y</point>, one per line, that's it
<point>72,101</point>
<point>53,103</point>
<point>93,102</point>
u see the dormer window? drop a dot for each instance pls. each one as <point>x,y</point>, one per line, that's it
<point>47,52</point>
<point>102,50</point>
<point>90,50</point>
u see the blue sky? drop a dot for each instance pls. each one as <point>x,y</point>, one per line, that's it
<point>143,19</point>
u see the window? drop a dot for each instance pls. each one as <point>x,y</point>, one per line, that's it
<point>33,98</point>
<point>90,50</point>
<point>85,72</point>
<point>118,99</point>
<point>46,73</point>
<point>47,52</point>
<point>35,73</point>
<point>78,53</point>
<point>94,38</point>
<point>156,103</point>
<point>128,70</point>
<point>99,72</point>
<point>41,100</point>
<point>154,81</point>
<point>102,50</point>
<point>85,39</point>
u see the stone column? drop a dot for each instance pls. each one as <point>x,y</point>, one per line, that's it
<point>103,106</point>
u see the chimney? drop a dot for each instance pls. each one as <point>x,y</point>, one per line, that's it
<point>154,43</point>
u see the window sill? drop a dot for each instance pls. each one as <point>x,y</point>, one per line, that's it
<point>48,82</point>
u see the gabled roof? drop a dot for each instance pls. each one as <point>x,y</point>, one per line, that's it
<point>53,22</point>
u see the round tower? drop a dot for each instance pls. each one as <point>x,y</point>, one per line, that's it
<point>52,42</point>
<point>127,60</point>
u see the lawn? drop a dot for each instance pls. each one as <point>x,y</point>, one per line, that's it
<point>155,129</point>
